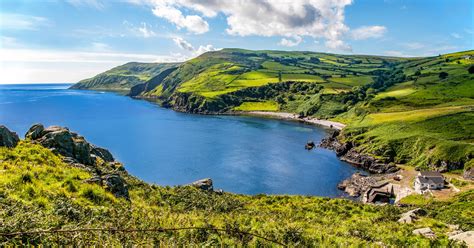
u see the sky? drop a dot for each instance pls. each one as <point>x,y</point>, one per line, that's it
<point>53,41</point>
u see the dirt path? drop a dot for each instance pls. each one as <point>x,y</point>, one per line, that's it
<point>290,116</point>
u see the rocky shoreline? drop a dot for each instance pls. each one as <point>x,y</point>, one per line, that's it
<point>348,153</point>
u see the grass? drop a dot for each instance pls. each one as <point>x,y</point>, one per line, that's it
<point>258,106</point>
<point>40,192</point>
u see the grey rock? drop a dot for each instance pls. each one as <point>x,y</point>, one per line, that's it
<point>466,237</point>
<point>116,185</point>
<point>469,173</point>
<point>204,184</point>
<point>412,215</point>
<point>113,183</point>
<point>35,131</point>
<point>69,144</point>
<point>102,153</point>
<point>426,232</point>
<point>8,138</point>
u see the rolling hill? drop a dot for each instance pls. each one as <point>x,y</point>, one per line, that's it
<point>122,78</point>
<point>416,111</point>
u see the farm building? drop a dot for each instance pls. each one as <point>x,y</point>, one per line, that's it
<point>428,180</point>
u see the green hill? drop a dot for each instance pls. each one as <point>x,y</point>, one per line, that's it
<point>46,201</point>
<point>416,111</point>
<point>122,78</point>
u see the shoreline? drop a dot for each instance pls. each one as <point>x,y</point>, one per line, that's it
<point>295,117</point>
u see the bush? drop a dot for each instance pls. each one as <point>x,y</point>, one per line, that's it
<point>443,75</point>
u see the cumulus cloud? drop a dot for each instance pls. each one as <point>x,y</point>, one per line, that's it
<point>146,31</point>
<point>286,18</point>
<point>193,23</point>
<point>185,45</point>
<point>367,32</point>
<point>291,42</point>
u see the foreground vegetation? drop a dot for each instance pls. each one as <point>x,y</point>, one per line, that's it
<point>40,192</point>
<point>415,111</point>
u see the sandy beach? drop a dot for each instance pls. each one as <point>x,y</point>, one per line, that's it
<point>290,116</point>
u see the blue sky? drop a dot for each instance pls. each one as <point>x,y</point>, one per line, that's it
<point>65,41</point>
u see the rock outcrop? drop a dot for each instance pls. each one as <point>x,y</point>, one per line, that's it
<point>113,183</point>
<point>426,232</point>
<point>68,144</point>
<point>466,237</point>
<point>8,138</point>
<point>204,184</point>
<point>469,173</point>
<point>412,215</point>
<point>348,153</point>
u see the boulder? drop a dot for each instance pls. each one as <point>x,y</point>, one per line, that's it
<point>466,237</point>
<point>309,145</point>
<point>469,173</point>
<point>102,153</point>
<point>412,215</point>
<point>426,232</point>
<point>116,185</point>
<point>8,138</point>
<point>69,144</point>
<point>35,131</point>
<point>204,184</point>
<point>113,183</point>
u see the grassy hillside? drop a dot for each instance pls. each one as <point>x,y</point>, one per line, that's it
<point>124,77</point>
<point>40,192</point>
<point>417,111</point>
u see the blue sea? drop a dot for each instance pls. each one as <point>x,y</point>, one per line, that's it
<point>241,154</point>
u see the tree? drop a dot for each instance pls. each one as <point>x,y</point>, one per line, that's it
<point>471,69</point>
<point>443,75</point>
<point>279,76</point>
<point>418,73</point>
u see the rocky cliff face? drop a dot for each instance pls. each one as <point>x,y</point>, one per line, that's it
<point>80,153</point>
<point>8,138</point>
<point>348,153</point>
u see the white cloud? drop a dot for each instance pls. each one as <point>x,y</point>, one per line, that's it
<point>367,32</point>
<point>285,18</point>
<point>98,4</point>
<point>185,45</point>
<point>203,49</point>
<point>143,30</point>
<point>193,23</point>
<point>456,35</point>
<point>22,22</point>
<point>146,31</point>
<point>291,42</point>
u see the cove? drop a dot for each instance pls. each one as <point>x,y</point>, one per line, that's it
<point>247,155</point>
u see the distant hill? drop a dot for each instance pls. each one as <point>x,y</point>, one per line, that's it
<point>122,78</point>
<point>416,111</point>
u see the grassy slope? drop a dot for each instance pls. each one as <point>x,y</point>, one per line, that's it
<point>216,73</point>
<point>423,121</point>
<point>123,77</point>
<point>38,191</point>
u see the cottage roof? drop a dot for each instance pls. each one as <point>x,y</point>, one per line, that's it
<point>431,177</point>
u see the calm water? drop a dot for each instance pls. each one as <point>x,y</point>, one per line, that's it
<point>241,154</point>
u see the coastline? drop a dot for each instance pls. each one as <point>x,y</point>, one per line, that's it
<point>295,117</point>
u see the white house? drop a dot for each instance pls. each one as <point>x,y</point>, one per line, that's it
<point>428,180</point>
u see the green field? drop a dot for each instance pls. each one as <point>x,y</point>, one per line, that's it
<point>258,106</point>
